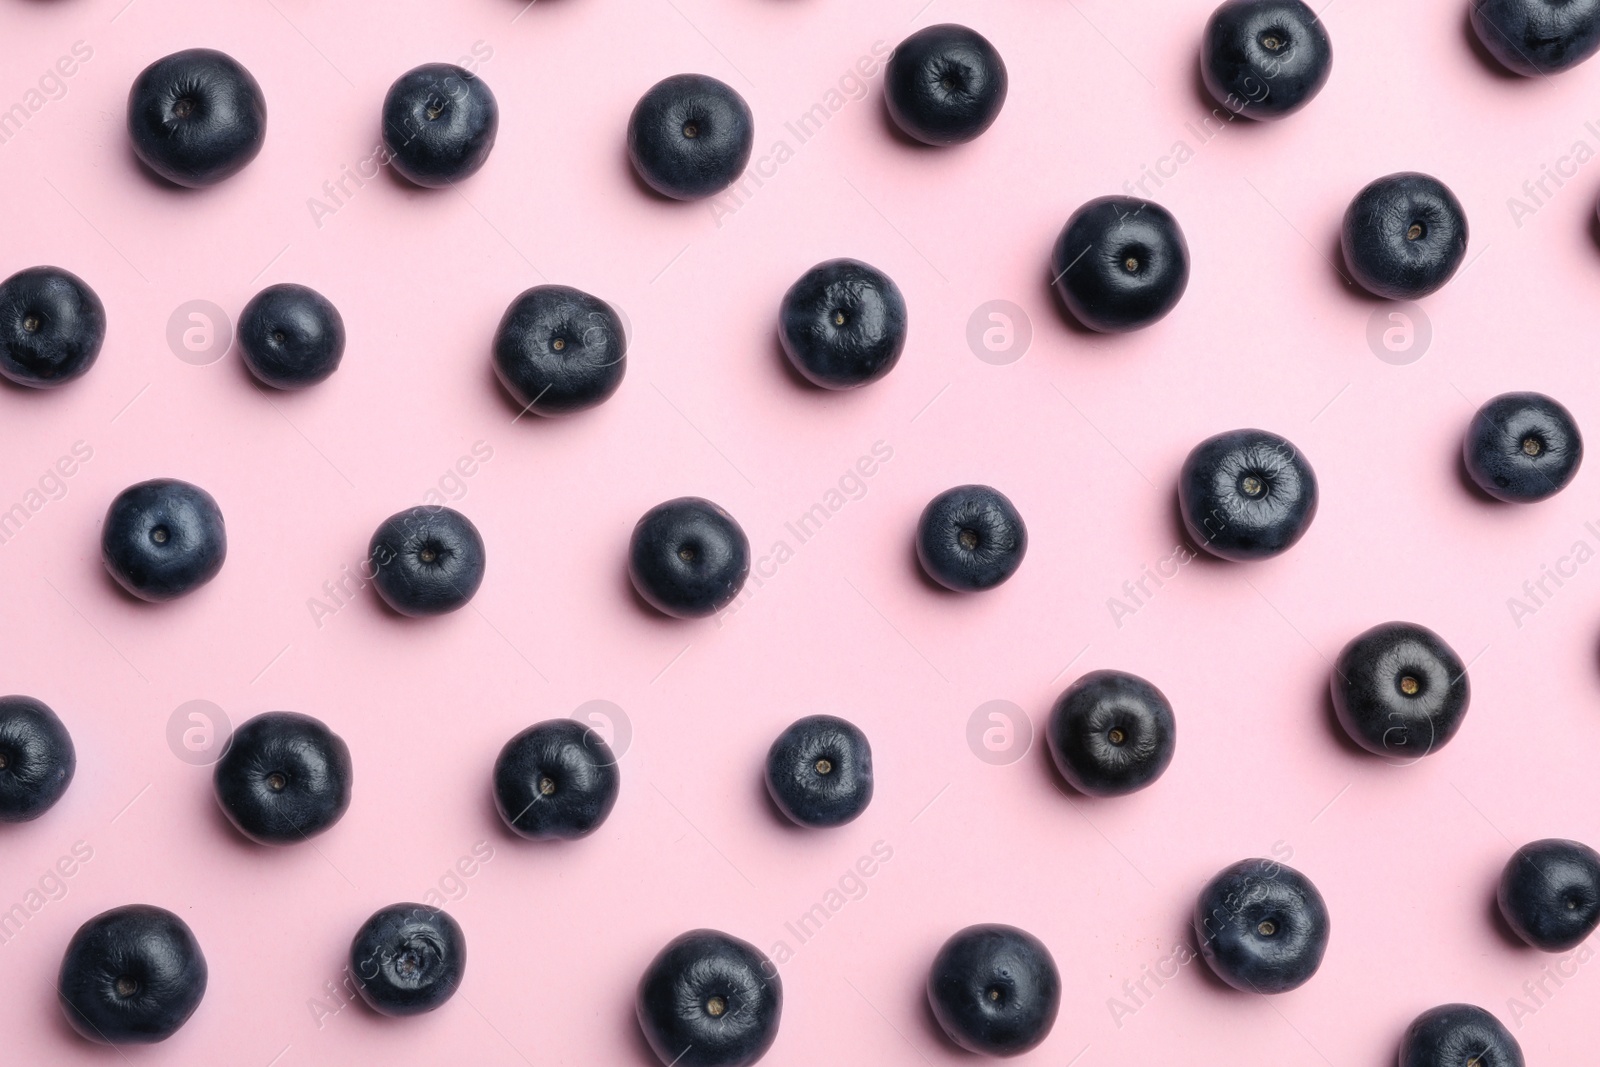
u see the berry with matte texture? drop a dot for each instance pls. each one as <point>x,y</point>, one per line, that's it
<point>37,759</point>
<point>52,326</point>
<point>710,1000</point>
<point>559,350</point>
<point>971,538</point>
<point>556,780</point>
<point>819,771</point>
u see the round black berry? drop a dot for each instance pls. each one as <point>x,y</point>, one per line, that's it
<point>688,558</point>
<point>995,990</point>
<point>1246,495</point>
<point>560,350</point>
<point>710,1000</point>
<point>291,336</point>
<point>37,760</point>
<point>557,779</point>
<point>1120,264</point>
<point>843,324</point>
<point>1111,733</point>
<point>132,976</point>
<point>1550,894</point>
<point>1404,236</point>
<point>439,124</point>
<point>51,327</point>
<point>1399,690</point>
<point>945,85</point>
<point>1262,927</point>
<point>690,136</point>
<point>408,959</point>
<point>1265,59</point>
<point>1459,1035</point>
<point>196,117</point>
<point>1522,447</point>
<point>819,771</point>
<point>284,778</point>
<point>427,560</point>
<point>163,538</point>
<point>971,538</point>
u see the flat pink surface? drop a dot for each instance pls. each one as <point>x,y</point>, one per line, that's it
<point>1084,433</point>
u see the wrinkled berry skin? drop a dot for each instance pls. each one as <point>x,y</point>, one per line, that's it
<point>1265,59</point>
<point>557,780</point>
<point>688,558</point>
<point>1522,447</point>
<point>1536,37</point>
<point>1404,236</point>
<point>819,771</point>
<point>559,350</point>
<point>1550,894</point>
<point>439,124</point>
<point>1262,927</point>
<point>971,538</point>
<point>1247,495</point>
<point>1120,264</point>
<point>1455,1034</point>
<point>843,324</point>
<point>690,136</point>
<point>52,326</point>
<point>427,560</point>
<point>1400,691</point>
<point>1111,733</point>
<point>284,778</point>
<point>408,959</point>
<point>163,538</point>
<point>132,976</point>
<point>37,759</point>
<point>196,117</point>
<point>994,990</point>
<point>710,1000</point>
<point>945,85</point>
<point>290,336</point>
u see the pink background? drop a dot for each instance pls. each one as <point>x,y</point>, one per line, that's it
<point>1084,433</point>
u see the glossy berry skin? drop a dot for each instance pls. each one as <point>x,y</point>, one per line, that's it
<point>1265,59</point>
<point>710,1000</point>
<point>52,326</point>
<point>427,560</point>
<point>1247,495</point>
<point>557,780</point>
<point>163,539</point>
<point>843,324</point>
<point>1404,236</point>
<point>688,558</point>
<point>994,990</point>
<point>819,771</point>
<point>1537,37</point>
<point>1262,927</point>
<point>560,350</point>
<point>1111,733</point>
<point>1120,264</point>
<point>690,136</point>
<point>439,124</point>
<point>408,959</point>
<point>132,976</point>
<point>37,760</point>
<point>290,336</point>
<point>196,117</point>
<point>1455,1034</point>
<point>1400,691</point>
<point>1522,447</point>
<point>945,85</point>
<point>1550,894</point>
<point>971,538</point>
<point>284,778</point>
